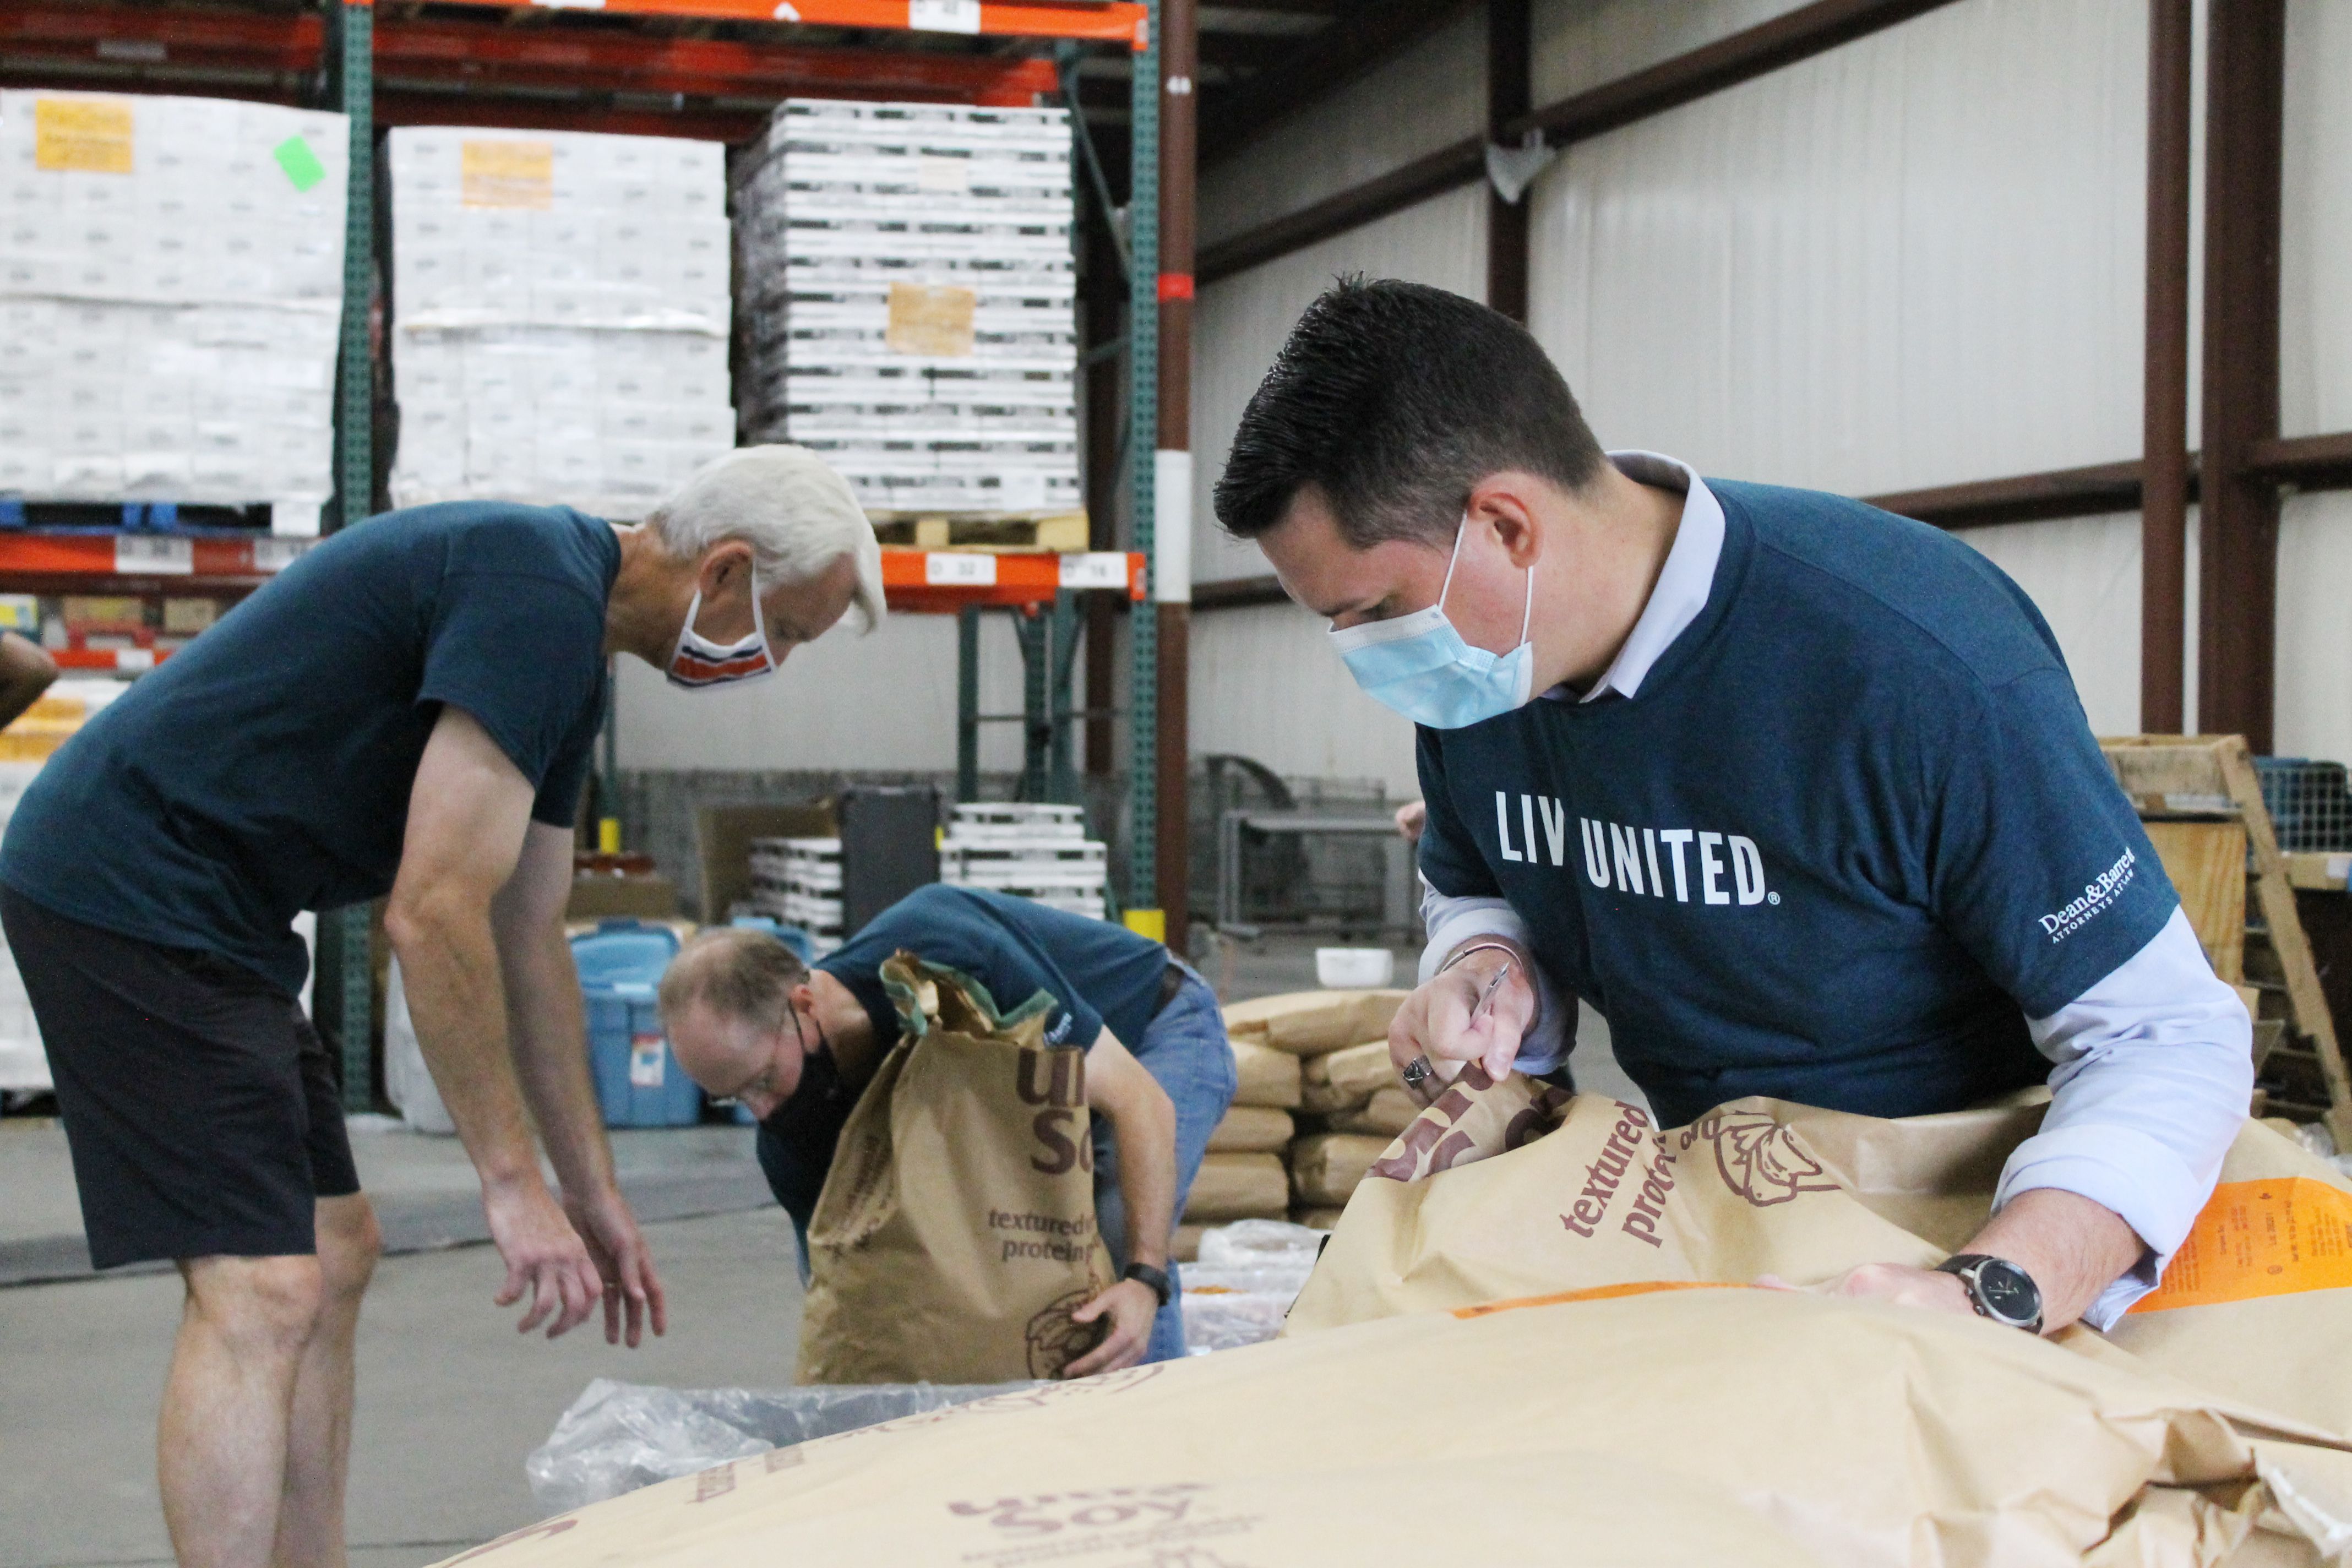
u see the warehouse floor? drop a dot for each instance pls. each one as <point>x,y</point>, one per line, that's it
<point>449,1400</point>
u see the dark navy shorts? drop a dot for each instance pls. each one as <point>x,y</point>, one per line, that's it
<point>201,1108</point>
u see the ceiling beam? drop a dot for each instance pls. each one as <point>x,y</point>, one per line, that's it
<point>1370,33</point>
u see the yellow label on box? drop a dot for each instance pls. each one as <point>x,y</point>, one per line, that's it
<point>2259,1238</point>
<point>91,136</point>
<point>931,319</point>
<point>509,174</point>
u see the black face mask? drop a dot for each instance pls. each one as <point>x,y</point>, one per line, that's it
<point>809,1122</point>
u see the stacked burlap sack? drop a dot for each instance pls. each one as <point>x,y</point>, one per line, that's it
<point>1318,1102</point>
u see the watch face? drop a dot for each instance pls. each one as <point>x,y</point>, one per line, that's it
<point>2007,1291</point>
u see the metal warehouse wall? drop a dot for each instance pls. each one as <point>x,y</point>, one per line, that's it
<point>2315,579</point>
<point>845,702</point>
<point>1264,683</point>
<point>1914,260</point>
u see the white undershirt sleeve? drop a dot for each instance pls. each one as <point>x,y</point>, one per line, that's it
<point>2154,1072</point>
<point>1451,921</point>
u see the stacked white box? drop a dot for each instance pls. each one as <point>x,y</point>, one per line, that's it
<point>560,311</point>
<point>798,882</point>
<point>849,200</point>
<point>171,294</point>
<point>1033,851</point>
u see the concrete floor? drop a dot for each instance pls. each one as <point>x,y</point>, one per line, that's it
<point>450,1400</point>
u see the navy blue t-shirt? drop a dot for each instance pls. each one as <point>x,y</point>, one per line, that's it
<point>266,768</point>
<point>1099,974</point>
<point>1851,833</point>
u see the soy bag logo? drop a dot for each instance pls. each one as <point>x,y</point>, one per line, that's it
<point>1688,865</point>
<point>2098,896</point>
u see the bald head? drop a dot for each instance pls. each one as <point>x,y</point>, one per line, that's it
<point>726,1001</point>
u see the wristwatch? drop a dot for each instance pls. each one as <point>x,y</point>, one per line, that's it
<point>1155,1277</point>
<point>1998,1289</point>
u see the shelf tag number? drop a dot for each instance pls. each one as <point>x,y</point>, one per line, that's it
<point>151,557</point>
<point>944,15</point>
<point>943,569</point>
<point>1095,569</point>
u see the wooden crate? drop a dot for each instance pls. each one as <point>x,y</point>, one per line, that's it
<point>1061,532</point>
<point>2206,782</point>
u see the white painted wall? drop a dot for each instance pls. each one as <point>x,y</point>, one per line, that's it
<point>885,702</point>
<point>2315,578</point>
<point>1912,260</point>
<point>1581,44</point>
<point>1267,684</point>
<point>1434,94</point>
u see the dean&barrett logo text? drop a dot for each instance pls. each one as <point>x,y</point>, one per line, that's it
<point>2097,898</point>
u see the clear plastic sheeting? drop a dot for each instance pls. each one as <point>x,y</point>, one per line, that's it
<point>1241,1288</point>
<point>618,1437</point>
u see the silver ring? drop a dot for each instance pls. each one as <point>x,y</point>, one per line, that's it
<point>1415,1071</point>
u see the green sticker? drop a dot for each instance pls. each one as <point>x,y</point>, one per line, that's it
<point>301,165</point>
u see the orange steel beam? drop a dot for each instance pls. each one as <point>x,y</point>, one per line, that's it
<point>471,55</point>
<point>146,36</point>
<point>1110,21</point>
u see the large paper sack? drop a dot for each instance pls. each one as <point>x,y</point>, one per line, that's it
<point>1679,1428</point>
<point>1513,1190</point>
<point>956,1231</point>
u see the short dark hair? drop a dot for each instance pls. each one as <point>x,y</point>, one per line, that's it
<point>1394,400</point>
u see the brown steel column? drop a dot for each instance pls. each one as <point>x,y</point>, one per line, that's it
<point>2164,484</point>
<point>1179,60</point>
<point>2245,65</point>
<point>1510,95</point>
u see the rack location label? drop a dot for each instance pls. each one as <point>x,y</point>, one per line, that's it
<point>151,557</point>
<point>946,569</point>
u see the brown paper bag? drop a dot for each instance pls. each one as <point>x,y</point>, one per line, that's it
<point>1356,1073</point>
<point>1654,1430</point>
<point>1311,1023</point>
<point>1269,1076</point>
<point>1184,1242</point>
<point>955,1230</point>
<point>1238,1187</point>
<point>1327,1167</point>
<point>1317,1217</point>
<point>1387,1113</point>
<point>1513,1190</point>
<point>1252,1129</point>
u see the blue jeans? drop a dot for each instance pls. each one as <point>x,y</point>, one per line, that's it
<point>1184,1048</point>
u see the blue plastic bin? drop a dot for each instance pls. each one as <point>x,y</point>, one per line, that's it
<point>638,1080</point>
<point>793,937</point>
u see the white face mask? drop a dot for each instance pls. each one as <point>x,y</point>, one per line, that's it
<point>698,664</point>
<point>1419,664</point>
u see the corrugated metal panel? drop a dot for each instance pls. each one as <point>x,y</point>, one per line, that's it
<point>2313,714</point>
<point>2083,573</point>
<point>1266,684</point>
<point>2315,574</point>
<point>844,701</point>
<point>1581,44</point>
<point>1914,260</point>
<point>2315,241</point>
<point>1432,94</point>
<point>1239,324</point>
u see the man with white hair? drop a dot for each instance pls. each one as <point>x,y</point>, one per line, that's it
<point>409,708</point>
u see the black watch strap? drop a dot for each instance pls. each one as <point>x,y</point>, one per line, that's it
<point>1998,1289</point>
<point>1155,1277</point>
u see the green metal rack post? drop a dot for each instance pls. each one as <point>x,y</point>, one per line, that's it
<point>1143,440</point>
<point>345,977</point>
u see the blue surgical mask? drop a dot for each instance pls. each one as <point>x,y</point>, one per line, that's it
<point>1419,664</point>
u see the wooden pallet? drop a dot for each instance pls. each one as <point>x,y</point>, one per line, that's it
<point>1060,531</point>
<point>2201,800</point>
